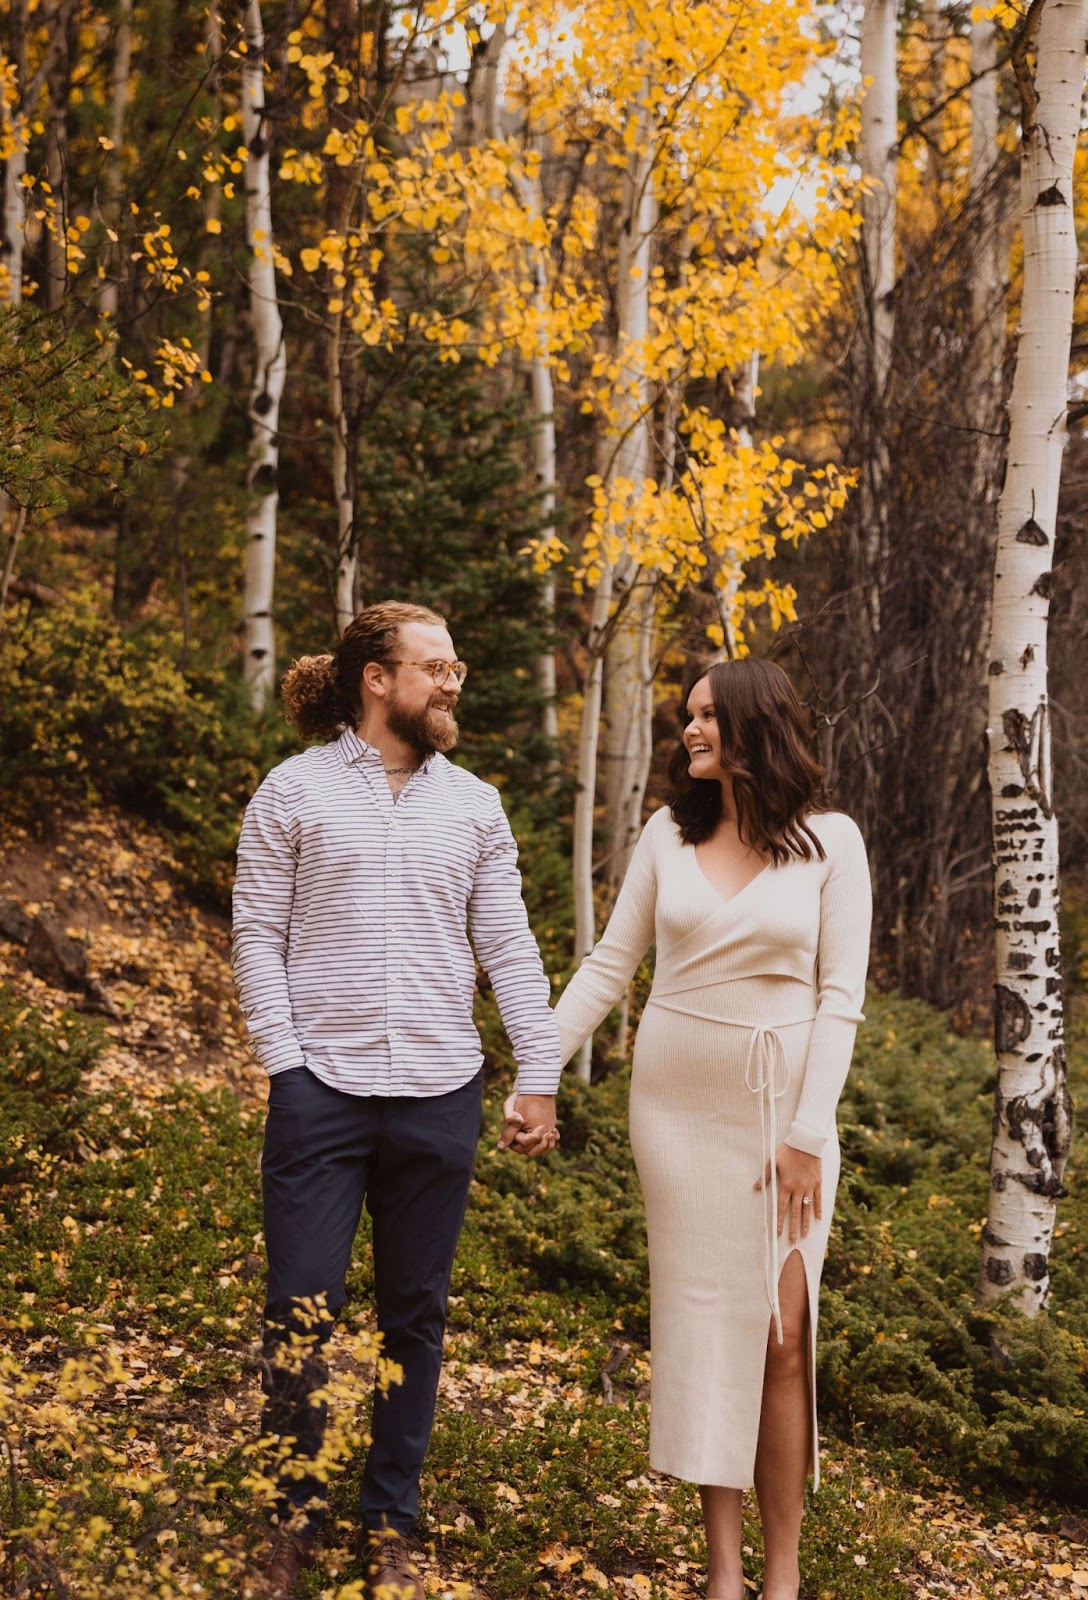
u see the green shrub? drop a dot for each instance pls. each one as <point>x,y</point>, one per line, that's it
<point>41,1105</point>
<point>89,711</point>
<point>906,1354</point>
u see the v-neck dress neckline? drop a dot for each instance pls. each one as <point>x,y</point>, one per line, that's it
<point>722,900</point>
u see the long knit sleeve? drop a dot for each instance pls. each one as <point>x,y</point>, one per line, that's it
<point>604,975</point>
<point>846,905</point>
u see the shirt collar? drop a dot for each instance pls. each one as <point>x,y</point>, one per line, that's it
<point>353,750</point>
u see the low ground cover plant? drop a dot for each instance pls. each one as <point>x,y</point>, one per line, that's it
<point>130,1296</point>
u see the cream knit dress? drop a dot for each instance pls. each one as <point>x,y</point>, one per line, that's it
<point>744,1044</point>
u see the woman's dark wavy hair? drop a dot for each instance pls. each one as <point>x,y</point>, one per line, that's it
<point>777,783</point>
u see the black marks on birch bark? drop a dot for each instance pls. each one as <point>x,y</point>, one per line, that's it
<point>1031,533</point>
<point>1042,1124</point>
<point>1028,739</point>
<point>999,1271</point>
<point>1012,1020</point>
<point>1043,585</point>
<point>1017,730</point>
<point>1051,197</point>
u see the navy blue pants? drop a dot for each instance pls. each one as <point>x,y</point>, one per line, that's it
<point>410,1160</point>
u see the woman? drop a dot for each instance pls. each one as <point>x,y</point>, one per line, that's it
<point>759,904</point>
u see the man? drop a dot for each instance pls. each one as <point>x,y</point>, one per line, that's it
<point>363,864</point>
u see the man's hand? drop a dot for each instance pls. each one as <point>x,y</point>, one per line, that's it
<point>528,1124</point>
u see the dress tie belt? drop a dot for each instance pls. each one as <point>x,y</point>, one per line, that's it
<point>767,1075</point>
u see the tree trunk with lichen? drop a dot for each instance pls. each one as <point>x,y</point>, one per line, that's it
<point>1032,1118</point>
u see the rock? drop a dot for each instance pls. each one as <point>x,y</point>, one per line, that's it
<point>54,956</point>
<point>14,922</point>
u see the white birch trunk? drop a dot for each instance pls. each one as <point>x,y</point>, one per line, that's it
<point>879,152</point>
<point>1032,1123</point>
<point>120,74</point>
<point>213,192</point>
<point>13,245</point>
<point>55,238</point>
<point>347,560</point>
<point>626,739</point>
<point>487,116</point>
<point>728,580</point>
<point>544,462</point>
<point>269,373</point>
<point>990,251</point>
<point>585,794</point>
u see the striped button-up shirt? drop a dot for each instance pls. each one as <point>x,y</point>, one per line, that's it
<point>352,914</point>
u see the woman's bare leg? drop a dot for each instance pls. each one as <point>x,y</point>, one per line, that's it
<point>721,1514</point>
<point>784,1451</point>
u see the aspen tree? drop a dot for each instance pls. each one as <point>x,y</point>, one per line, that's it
<point>20,91</point>
<point>269,374</point>
<point>120,73</point>
<point>16,97</point>
<point>55,236</point>
<point>624,457</point>
<point>625,460</point>
<point>341,185</point>
<point>542,391</point>
<point>879,154</point>
<point>728,580</point>
<point>1032,1121</point>
<point>991,248</point>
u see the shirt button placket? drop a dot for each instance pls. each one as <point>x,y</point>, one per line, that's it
<point>394,901</point>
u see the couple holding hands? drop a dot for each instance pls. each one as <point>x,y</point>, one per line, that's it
<point>372,875</point>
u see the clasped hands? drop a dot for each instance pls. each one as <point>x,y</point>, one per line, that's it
<point>800,1192</point>
<point>528,1124</point>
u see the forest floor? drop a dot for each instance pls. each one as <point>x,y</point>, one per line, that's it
<point>536,1482</point>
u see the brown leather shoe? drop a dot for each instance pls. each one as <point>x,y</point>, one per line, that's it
<point>288,1555</point>
<point>390,1572</point>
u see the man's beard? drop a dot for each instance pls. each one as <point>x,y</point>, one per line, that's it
<point>425,730</point>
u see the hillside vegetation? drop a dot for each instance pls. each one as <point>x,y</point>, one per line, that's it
<point>131,1287</point>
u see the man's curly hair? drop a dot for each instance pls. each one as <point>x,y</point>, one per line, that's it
<point>321,693</point>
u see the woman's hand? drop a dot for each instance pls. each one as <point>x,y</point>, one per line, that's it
<point>528,1124</point>
<point>800,1189</point>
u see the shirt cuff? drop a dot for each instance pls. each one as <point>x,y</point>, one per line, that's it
<point>538,1080</point>
<point>802,1137</point>
<point>278,1053</point>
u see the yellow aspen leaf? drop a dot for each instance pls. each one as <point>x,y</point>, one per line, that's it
<point>213,225</point>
